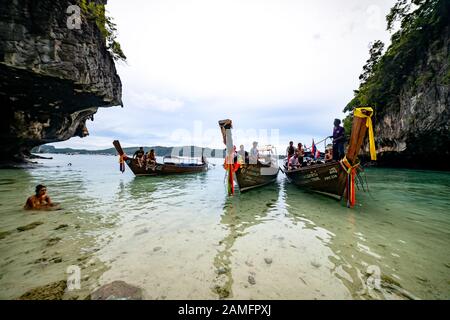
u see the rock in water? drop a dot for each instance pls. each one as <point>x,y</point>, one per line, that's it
<point>53,291</point>
<point>52,78</point>
<point>29,226</point>
<point>4,234</point>
<point>62,226</point>
<point>117,290</point>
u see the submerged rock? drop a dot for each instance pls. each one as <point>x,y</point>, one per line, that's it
<point>251,280</point>
<point>56,260</point>
<point>117,290</point>
<point>52,291</point>
<point>141,232</point>
<point>222,292</point>
<point>268,260</point>
<point>4,234</point>
<point>29,226</point>
<point>221,270</point>
<point>53,241</point>
<point>62,226</point>
<point>389,281</point>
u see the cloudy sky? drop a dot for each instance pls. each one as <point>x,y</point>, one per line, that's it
<point>280,69</point>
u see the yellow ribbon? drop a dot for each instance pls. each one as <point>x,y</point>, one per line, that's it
<point>359,113</point>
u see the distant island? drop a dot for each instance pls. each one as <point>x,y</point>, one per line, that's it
<point>192,151</point>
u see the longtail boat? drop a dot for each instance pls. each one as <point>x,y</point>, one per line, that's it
<point>336,177</point>
<point>170,165</point>
<point>248,175</point>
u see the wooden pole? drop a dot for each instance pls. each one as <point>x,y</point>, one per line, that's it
<point>359,130</point>
<point>118,147</point>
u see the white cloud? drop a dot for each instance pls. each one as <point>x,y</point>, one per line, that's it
<point>268,64</point>
<point>149,101</point>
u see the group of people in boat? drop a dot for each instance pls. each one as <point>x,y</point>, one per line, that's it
<point>245,157</point>
<point>334,152</point>
<point>145,159</point>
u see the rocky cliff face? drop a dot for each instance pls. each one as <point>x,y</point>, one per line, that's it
<point>52,78</point>
<point>416,132</point>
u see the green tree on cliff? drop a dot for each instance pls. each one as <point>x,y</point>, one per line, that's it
<point>97,12</point>
<point>422,23</point>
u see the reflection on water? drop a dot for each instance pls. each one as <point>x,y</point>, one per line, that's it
<point>240,213</point>
<point>181,237</point>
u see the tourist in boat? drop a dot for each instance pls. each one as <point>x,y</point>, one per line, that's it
<point>40,200</point>
<point>338,140</point>
<point>329,154</point>
<point>254,153</point>
<point>139,156</point>
<point>235,155</point>
<point>300,152</point>
<point>243,156</point>
<point>290,151</point>
<point>294,162</point>
<point>151,159</point>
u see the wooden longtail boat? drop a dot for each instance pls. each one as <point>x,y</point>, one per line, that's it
<point>169,165</point>
<point>336,177</point>
<point>248,175</point>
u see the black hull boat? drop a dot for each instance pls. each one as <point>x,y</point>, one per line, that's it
<point>248,175</point>
<point>169,167</point>
<point>324,178</point>
<point>336,178</point>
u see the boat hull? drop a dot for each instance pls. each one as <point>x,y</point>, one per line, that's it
<point>328,178</point>
<point>164,169</point>
<point>250,176</point>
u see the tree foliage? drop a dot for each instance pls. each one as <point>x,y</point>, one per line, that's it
<point>96,11</point>
<point>375,51</point>
<point>422,25</point>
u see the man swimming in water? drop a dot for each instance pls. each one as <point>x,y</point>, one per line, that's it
<point>40,200</point>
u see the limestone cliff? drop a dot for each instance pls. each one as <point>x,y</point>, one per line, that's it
<point>409,85</point>
<point>52,77</point>
<point>416,133</point>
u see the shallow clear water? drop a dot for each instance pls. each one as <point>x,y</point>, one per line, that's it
<point>183,238</point>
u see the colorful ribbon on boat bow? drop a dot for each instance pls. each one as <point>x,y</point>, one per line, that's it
<point>351,174</point>
<point>231,169</point>
<point>367,113</point>
<point>122,159</point>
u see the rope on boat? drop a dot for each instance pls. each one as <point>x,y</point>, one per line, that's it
<point>351,174</point>
<point>122,159</point>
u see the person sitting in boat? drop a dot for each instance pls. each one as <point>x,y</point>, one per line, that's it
<point>329,154</point>
<point>151,159</point>
<point>294,163</point>
<point>243,156</point>
<point>40,200</point>
<point>139,156</point>
<point>338,140</point>
<point>290,151</point>
<point>235,155</point>
<point>254,154</point>
<point>300,153</point>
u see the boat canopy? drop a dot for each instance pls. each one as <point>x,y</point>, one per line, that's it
<point>183,160</point>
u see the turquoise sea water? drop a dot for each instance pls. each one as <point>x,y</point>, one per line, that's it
<point>181,237</point>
